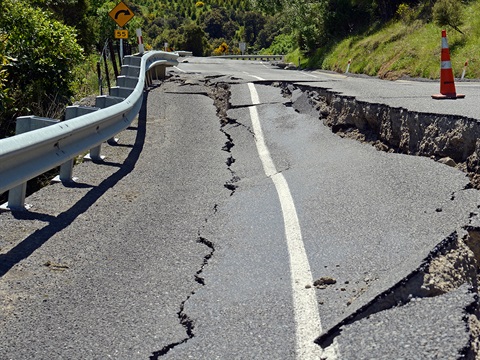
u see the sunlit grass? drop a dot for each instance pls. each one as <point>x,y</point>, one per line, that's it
<point>412,50</point>
<point>87,77</point>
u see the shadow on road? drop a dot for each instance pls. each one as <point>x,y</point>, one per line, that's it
<point>63,220</point>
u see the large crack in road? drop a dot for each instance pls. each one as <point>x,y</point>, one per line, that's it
<point>220,94</point>
<point>455,261</point>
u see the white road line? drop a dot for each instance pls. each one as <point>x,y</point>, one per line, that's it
<point>266,65</point>
<point>307,318</point>
<point>316,77</point>
<point>340,76</point>
<point>256,77</point>
<point>176,67</point>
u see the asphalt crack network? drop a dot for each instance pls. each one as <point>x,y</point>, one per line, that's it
<point>184,319</point>
<point>220,93</point>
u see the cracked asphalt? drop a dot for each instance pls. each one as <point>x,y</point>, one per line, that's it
<point>175,246</point>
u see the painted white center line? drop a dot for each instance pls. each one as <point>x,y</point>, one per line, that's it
<point>256,77</point>
<point>307,318</point>
<point>311,75</point>
<point>340,76</point>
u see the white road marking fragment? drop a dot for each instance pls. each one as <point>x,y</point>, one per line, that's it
<point>176,67</point>
<point>256,77</point>
<point>265,64</point>
<point>340,76</point>
<point>307,318</point>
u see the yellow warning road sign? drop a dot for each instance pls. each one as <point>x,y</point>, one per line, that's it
<point>121,14</point>
<point>121,34</point>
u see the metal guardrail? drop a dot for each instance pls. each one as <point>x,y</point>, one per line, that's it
<point>27,155</point>
<point>253,57</point>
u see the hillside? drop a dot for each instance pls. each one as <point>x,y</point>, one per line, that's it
<point>401,48</point>
<point>389,39</point>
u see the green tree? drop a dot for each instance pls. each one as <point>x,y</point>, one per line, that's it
<point>253,23</point>
<point>448,13</point>
<point>270,6</point>
<point>194,39</point>
<point>78,14</point>
<point>45,53</point>
<point>230,28</point>
<point>6,100</point>
<point>213,22</point>
<point>273,27</point>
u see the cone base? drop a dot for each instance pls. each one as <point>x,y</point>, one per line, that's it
<point>448,96</point>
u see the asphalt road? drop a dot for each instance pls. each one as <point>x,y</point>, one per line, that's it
<point>187,242</point>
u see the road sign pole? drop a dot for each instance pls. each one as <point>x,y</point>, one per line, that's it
<point>121,51</point>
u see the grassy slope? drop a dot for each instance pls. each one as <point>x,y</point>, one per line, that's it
<point>413,50</point>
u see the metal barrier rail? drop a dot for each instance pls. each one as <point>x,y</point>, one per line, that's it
<point>27,155</point>
<point>252,57</point>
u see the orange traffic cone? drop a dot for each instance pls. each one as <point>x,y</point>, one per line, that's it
<point>447,81</point>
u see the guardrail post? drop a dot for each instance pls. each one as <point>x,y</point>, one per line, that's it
<point>94,154</point>
<point>163,73</point>
<point>66,171</point>
<point>16,198</point>
<point>17,195</point>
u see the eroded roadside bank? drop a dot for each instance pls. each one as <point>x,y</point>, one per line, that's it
<point>451,139</point>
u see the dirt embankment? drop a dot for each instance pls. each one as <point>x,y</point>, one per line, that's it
<point>453,140</point>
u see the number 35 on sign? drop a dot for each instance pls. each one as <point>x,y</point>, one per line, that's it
<point>121,34</point>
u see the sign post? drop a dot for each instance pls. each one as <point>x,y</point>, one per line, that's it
<point>141,48</point>
<point>121,14</point>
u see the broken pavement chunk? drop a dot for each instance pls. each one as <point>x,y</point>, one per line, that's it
<point>324,280</point>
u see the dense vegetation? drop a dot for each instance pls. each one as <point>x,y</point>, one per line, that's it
<point>49,48</point>
<point>410,46</point>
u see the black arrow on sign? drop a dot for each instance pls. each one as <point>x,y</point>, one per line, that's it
<point>124,12</point>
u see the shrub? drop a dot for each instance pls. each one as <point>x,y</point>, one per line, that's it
<point>406,13</point>
<point>221,50</point>
<point>448,13</point>
<point>45,53</point>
